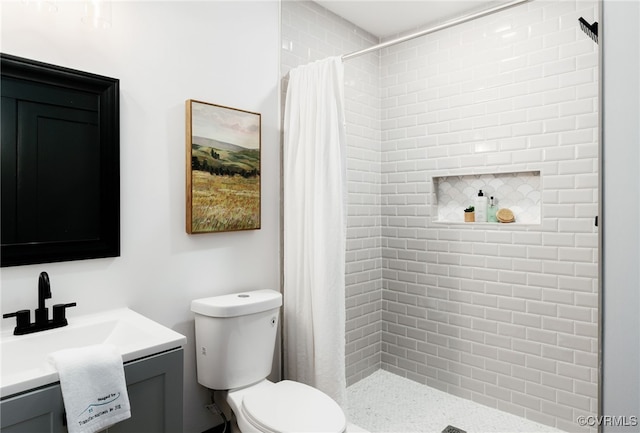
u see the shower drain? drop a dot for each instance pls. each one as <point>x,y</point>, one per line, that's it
<point>452,429</point>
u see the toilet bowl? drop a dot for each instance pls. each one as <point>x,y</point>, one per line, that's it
<point>235,341</point>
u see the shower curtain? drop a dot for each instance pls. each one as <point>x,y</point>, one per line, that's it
<point>314,178</point>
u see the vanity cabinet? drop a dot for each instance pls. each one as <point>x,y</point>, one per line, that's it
<point>154,385</point>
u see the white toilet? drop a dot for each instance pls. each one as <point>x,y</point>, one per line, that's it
<point>235,340</point>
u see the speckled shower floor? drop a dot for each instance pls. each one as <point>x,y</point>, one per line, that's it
<point>385,402</point>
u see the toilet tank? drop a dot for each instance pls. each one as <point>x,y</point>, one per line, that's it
<point>235,337</point>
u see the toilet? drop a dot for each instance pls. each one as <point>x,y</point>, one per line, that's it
<point>235,341</point>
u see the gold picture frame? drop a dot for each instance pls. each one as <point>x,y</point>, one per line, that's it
<point>223,147</point>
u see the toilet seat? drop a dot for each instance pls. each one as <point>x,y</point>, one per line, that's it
<point>289,406</point>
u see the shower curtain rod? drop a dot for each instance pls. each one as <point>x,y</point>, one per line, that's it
<point>433,29</point>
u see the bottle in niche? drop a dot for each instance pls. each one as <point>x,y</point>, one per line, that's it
<point>491,211</point>
<point>481,208</point>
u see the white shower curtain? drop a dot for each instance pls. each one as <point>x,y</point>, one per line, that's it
<point>315,227</point>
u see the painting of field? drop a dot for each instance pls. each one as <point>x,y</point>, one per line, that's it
<point>223,171</point>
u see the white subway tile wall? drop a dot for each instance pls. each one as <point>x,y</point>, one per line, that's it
<point>504,316</point>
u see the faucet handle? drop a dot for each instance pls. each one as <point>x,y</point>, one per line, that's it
<point>59,312</point>
<point>23,320</point>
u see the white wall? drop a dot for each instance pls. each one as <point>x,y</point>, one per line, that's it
<point>163,53</point>
<point>620,41</point>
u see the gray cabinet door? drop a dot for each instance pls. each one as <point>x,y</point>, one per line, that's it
<point>40,411</point>
<point>155,394</point>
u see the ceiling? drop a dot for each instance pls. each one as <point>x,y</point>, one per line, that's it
<point>388,17</point>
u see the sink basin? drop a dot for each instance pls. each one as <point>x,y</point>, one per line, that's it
<point>25,363</point>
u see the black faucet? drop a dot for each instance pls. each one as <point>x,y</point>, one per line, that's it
<point>42,322</point>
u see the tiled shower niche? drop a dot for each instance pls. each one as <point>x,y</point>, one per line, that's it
<point>519,191</point>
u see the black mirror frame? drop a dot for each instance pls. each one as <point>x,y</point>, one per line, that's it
<point>107,91</point>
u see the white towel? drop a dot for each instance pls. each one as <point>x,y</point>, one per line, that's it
<point>93,387</point>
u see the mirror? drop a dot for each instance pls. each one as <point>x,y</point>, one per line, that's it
<point>60,139</point>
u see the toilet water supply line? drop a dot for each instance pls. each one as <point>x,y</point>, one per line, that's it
<point>215,409</point>
<point>424,32</point>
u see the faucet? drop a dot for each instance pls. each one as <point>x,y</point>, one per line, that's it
<point>42,322</point>
<point>44,292</point>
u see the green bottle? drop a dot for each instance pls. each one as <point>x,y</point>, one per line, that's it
<point>491,211</point>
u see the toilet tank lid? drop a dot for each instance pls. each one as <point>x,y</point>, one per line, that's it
<point>237,304</point>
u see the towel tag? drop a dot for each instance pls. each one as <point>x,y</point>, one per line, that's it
<point>107,404</point>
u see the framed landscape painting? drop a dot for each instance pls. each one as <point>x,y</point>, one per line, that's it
<point>223,168</point>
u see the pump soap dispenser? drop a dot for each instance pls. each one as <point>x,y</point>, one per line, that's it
<point>481,208</point>
<point>491,211</point>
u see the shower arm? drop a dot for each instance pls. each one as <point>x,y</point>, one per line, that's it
<point>433,29</point>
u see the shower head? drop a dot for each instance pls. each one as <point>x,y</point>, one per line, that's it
<point>590,29</point>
